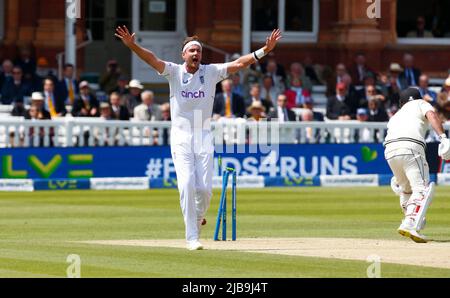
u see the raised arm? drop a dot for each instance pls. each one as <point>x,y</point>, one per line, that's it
<point>148,56</point>
<point>251,58</point>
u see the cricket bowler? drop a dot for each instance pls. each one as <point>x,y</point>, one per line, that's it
<point>405,153</point>
<point>192,91</point>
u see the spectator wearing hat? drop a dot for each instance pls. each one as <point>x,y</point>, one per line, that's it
<point>410,74</point>
<point>103,136</point>
<point>108,80</point>
<point>52,103</point>
<point>133,99</point>
<point>227,103</point>
<point>105,111</point>
<point>67,87</point>
<point>282,113</point>
<point>427,94</point>
<point>256,111</point>
<point>362,135</point>
<point>340,106</point>
<point>37,112</point>
<point>147,110</point>
<point>362,115</point>
<point>15,88</point>
<point>392,86</point>
<point>118,111</point>
<point>86,105</point>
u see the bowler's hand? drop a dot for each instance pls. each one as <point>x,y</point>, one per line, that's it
<point>127,38</point>
<point>272,40</point>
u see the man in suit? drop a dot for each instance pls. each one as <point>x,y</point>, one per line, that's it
<point>86,105</point>
<point>255,95</point>
<point>6,72</point>
<point>15,88</point>
<point>227,103</point>
<point>410,74</point>
<point>147,110</point>
<point>268,90</point>
<point>360,70</point>
<point>119,112</point>
<point>376,111</point>
<point>133,98</point>
<point>67,88</point>
<point>340,106</point>
<point>281,113</point>
<point>427,94</point>
<point>309,105</point>
<point>52,102</point>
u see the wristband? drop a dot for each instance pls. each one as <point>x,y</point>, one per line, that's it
<point>259,54</point>
<point>442,136</point>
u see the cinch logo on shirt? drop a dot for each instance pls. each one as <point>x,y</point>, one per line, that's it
<point>192,95</point>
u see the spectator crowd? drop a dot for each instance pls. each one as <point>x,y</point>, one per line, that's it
<point>263,91</point>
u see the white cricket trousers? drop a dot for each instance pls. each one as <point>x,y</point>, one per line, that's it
<point>193,161</point>
<point>410,168</point>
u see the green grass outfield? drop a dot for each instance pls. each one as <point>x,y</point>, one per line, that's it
<point>38,231</point>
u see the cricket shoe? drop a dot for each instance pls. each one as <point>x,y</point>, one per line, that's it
<point>422,225</point>
<point>406,229</point>
<point>194,245</point>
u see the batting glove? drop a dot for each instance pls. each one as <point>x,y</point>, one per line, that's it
<point>444,147</point>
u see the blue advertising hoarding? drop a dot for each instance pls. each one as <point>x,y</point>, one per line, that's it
<point>309,160</point>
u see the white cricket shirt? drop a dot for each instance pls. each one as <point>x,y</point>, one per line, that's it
<point>192,95</point>
<point>407,128</point>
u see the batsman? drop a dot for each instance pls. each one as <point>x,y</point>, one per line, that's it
<point>405,153</point>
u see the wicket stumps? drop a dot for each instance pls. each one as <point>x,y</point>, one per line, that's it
<point>222,213</point>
